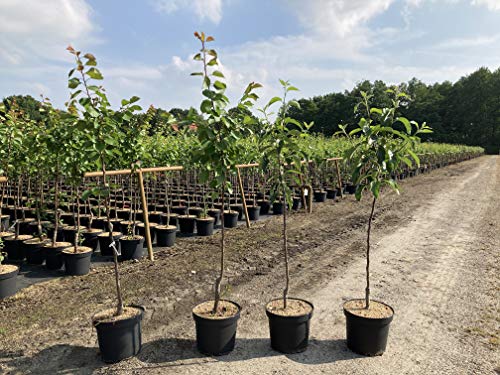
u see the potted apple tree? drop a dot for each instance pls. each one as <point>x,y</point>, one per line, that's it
<point>118,328</point>
<point>289,318</point>
<point>382,145</point>
<point>216,320</point>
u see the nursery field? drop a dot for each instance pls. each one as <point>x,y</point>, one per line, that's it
<point>435,260</point>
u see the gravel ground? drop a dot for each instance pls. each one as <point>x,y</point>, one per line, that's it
<point>435,260</point>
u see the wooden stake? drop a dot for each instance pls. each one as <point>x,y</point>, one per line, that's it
<point>242,192</point>
<point>339,178</point>
<point>146,215</point>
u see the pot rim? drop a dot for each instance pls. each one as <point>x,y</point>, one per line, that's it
<point>349,313</point>
<point>122,321</point>
<point>202,318</point>
<point>309,314</point>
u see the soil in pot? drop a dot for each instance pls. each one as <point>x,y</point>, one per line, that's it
<point>141,230</point>
<point>165,235</point>
<point>230,219</point>
<point>53,254</point>
<point>104,242</point>
<point>90,238</point>
<point>320,196</point>
<point>14,249</point>
<point>120,336</point>
<point>289,328</point>
<point>253,212</point>
<point>187,224</point>
<point>216,333</point>
<point>205,226</point>
<point>33,249</point>
<point>367,329</point>
<point>8,277</point>
<point>77,263</point>
<point>132,247</point>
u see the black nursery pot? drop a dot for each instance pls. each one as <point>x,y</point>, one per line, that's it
<point>90,239</point>
<point>8,282</point>
<point>239,209</point>
<point>290,334</point>
<point>165,235</point>
<point>331,194</point>
<point>320,196</point>
<point>119,339</point>
<point>205,227</point>
<point>104,242</point>
<point>180,210</point>
<point>215,213</point>
<point>77,264</point>
<point>187,223</point>
<point>53,255</point>
<point>132,248</point>
<point>253,212</point>
<point>367,336</point>
<point>278,208</point>
<point>216,336</point>
<point>230,219</point>
<point>297,202</point>
<point>350,189</point>
<point>34,251</point>
<point>264,206</point>
<point>14,247</point>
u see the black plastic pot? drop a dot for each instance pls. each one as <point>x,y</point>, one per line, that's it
<point>132,248</point>
<point>8,283</point>
<point>24,226</point>
<point>187,223</point>
<point>77,264</point>
<point>367,336</point>
<point>53,255</point>
<point>216,336</point>
<point>253,212</point>
<point>331,193</point>
<point>180,210</point>
<point>155,217</point>
<point>264,206</point>
<point>205,227</point>
<point>238,208</point>
<point>173,220</point>
<point>14,247</point>
<point>165,235</point>
<point>278,208</point>
<point>320,196</point>
<point>196,211</point>
<point>34,251</point>
<point>69,234</point>
<point>215,213</point>
<point>120,339</point>
<point>297,202</point>
<point>104,242</point>
<point>4,222</point>
<point>141,230</point>
<point>289,334</point>
<point>230,219</point>
<point>90,239</point>
<point>350,188</point>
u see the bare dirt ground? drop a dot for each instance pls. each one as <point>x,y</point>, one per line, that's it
<point>435,260</point>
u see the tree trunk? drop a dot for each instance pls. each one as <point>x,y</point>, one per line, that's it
<point>221,275</point>
<point>367,290</point>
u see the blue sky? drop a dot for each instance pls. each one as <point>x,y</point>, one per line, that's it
<point>144,48</point>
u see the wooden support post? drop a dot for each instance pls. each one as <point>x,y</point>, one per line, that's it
<point>146,215</point>
<point>240,182</point>
<point>339,178</point>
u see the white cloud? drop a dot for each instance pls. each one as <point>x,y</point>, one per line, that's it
<point>33,29</point>
<point>490,4</point>
<point>210,9</point>
<point>478,41</point>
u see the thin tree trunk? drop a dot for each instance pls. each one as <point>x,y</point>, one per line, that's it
<point>221,275</point>
<point>367,290</point>
<point>56,208</point>
<point>285,235</point>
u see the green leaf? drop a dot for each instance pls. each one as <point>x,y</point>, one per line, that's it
<point>94,74</point>
<point>218,73</point>
<point>406,123</point>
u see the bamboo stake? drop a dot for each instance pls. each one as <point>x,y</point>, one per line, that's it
<point>339,178</point>
<point>146,215</point>
<point>242,192</point>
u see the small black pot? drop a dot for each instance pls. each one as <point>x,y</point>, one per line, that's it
<point>53,255</point>
<point>216,336</point>
<point>90,239</point>
<point>4,222</point>
<point>230,219</point>
<point>215,213</point>
<point>132,248</point>
<point>205,227</point>
<point>289,334</point>
<point>24,226</point>
<point>278,208</point>
<point>297,202</point>
<point>264,206</point>
<point>165,235</point>
<point>331,194</point>
<point>196,211</point>
<point>77,264</point>
<point>34,251</point>
<point>350,189</point>
<point>238,208</point>
<point>180,210</point>
<point>187,223</point>
<point>155,217</point>
<point>253,212</point>
<point>8,283</point>
<point>14,247</point>
<point>320,196</point>
<point>104,242</point>
<point>141,230</point>
<point>121,339</point>
<point>367,336</point>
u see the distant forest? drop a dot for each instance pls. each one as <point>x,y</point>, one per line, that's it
<point>465,112</point>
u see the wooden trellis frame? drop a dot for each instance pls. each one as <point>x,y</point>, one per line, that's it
<point>140,172</point>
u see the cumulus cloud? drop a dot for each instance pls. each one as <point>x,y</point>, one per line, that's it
<point>490,4</point>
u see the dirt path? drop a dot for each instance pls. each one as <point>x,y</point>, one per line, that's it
<point>436,261</point>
